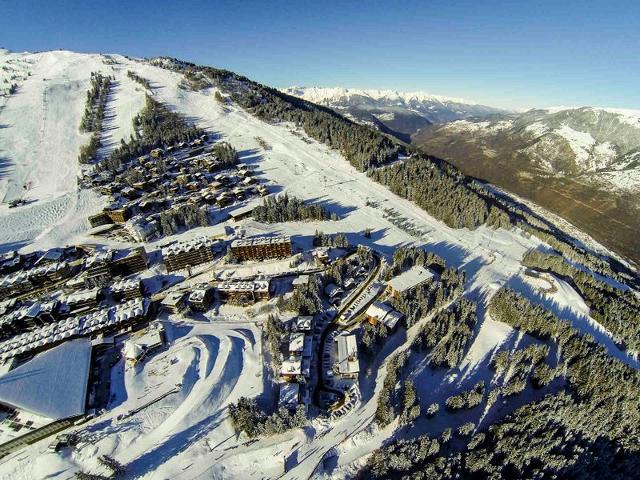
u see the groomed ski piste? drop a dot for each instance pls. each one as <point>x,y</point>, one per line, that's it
<point>185,433</point>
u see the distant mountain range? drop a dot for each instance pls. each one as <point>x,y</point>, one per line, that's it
<point>398,113</point>
<point>582,163</point>
<point>598,145</point>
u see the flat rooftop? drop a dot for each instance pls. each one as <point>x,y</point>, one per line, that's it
<point>411,278</point>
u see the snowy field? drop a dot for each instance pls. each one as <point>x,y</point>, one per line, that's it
<point>185,435</point>
<point>40,142</point>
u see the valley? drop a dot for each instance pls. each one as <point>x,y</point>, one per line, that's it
<point>246,284</point>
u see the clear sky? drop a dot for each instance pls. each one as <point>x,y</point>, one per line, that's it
<point>515,54</point>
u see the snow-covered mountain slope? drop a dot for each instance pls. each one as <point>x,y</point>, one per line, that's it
<point>581,163</point>
<point>188,434</point>
<point>40,138</point>
<point>402,113</point>
<point>594,143</point>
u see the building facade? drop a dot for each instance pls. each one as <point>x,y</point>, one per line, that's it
<point>261,248</point>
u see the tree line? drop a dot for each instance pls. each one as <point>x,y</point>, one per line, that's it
<point>285,208</point>
<point>137,78</point>
<point>339,240</point>
<point>185,215</point>
<point>155,127</point>
<point>617,310</point>
<point>589,429</point>
<point>247,417</point>
<point>93,115</point>
<point>442,190</point>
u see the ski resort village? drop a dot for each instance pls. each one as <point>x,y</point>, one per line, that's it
<point>202,277</point>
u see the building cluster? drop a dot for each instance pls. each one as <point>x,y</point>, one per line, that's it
<point>98,322</point>
<point>187,178</point>
<point>23,274</point>
<point>103,266</point>
<point>52,286</point>
<point>295,370</point>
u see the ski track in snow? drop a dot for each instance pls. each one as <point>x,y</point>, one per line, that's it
<point>186,435</point>
<point>40,149</point>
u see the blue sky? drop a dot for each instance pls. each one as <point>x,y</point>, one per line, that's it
<point>514,54</point>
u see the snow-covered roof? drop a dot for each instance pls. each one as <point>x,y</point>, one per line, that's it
<point>303,323</point>
<point>291,366</point>
<point>53,384</point>
<point>186,246</point>
<point>261,241</point>
<point>289,395</point>
<point>296,342</point>
<point>411,278</point>
<point>347,354</point>
<point>125,284</point>
<point>135,347</point>
<point>300,280</point>
<point>199,293</point>
<point>83,296</point>
<point>333,290</point>
<point>241,211</point>
<point>173,298</point>
<point>391,319</point>
<point>244,286</point>
<point>378,310</point>
<point>362,300</point>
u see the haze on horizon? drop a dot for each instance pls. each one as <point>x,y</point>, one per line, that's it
<point>497,53</point>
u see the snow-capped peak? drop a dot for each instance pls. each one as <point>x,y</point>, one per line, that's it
<point>334,94</point>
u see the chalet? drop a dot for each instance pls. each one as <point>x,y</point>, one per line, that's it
<point>224,199</point>
<point>291,369</point>
<point>381,312</point>
<point>139,346</point>
<point>156,153</point>
<point>300,282</point>
<point>408,281</point>
<point>303,323</point>
<point>296,343</point>
<point>348,364</point>
<point>333,291</point>
<point>238,193</point>
<point>321,256</point>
